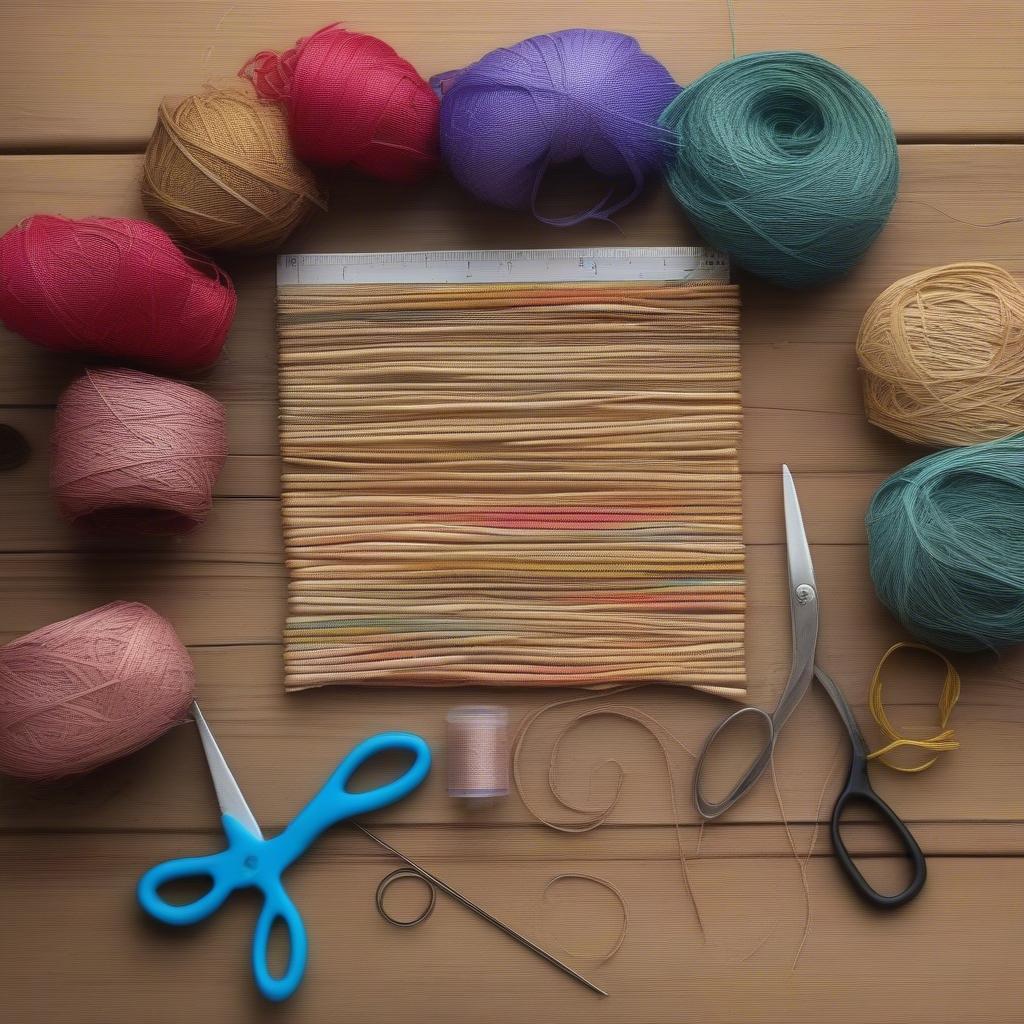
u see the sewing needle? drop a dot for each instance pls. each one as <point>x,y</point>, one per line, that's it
<point>480,912</point>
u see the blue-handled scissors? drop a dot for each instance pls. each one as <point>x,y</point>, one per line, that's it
<point>252,861</point>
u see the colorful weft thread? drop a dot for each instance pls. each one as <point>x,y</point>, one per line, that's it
<point>352,100</point>
<point>942,354</point>
<point>946,546</point>
<point>512,485</point>
<point>134,453</point>
<point>579,94</point>
<point>87,690</point>
<point>941,741</point>
<point>113,289</point>
<point>785,162</point>
<point>219,168</point>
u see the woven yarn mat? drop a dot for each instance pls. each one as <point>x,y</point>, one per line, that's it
<point>512,485</point>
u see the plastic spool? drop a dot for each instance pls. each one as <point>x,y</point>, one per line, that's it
<point>478,756</point>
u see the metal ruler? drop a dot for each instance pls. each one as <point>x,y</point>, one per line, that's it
<point>501,266</point>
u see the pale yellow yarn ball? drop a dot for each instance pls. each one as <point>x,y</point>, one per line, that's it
<point>942,356</point>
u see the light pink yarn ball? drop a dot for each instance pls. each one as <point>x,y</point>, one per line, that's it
<point>87,690</point>
<point>134,453</point>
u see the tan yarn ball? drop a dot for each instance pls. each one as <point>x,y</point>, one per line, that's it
<point>219,167</point>
<point>942,354</point>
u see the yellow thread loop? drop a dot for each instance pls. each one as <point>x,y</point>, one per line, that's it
<point>941,741</point>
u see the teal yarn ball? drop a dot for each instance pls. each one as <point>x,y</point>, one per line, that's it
<point>946,546</point>
<point>785,162</point>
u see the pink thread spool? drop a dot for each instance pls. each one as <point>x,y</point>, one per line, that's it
<point>478,756</point>
<point>135,453</point>
<point>87,690</point>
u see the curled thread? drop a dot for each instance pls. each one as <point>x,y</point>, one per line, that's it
<point>938,743</point>
<point>597,816</point>
<point>608,887</point>
<point>400,874</point>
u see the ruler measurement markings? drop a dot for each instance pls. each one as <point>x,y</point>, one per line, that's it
<point>496,266</point>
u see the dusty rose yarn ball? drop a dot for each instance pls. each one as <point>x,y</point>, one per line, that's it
<point>136,454</point>
<point>89,689</point>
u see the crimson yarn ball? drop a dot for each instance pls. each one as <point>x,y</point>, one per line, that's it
<point>136,454</point>
<point>89,689</point>
<point>115,289</point>
<point>352,100</point>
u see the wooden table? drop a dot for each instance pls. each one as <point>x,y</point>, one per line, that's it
<point>79,85</point>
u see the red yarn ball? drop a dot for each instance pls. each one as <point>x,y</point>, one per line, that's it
<point>352,100</point>
<point>113,288</point>
<point>84,691</point>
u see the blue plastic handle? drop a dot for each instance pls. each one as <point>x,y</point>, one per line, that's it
<point>335,803</point>
<point>279,906</point>
<point>250,861</point>
<point>226,871</point>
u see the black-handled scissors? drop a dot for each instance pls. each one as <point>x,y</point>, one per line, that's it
<point>803,601</point>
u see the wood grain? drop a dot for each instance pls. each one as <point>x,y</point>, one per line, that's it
<point>79,83</point>
<point>955,202</point>
<point>367,970</point>
<point>945,69</point>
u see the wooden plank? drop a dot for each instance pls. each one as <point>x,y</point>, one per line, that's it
<point>248,529</point>
<point>241,602</point>
<point>953,74</point>
<point>948,195</point>
<point>281,746</point>
<point>810,441</point>
<point>860,964</point>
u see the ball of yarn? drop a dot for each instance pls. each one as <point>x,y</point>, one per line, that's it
<point>946,546</point>
<point>87,690</point>
<point>942,353</point>
<point>220,169</point>
<point>133,453</point>
<point>785,162</point>
<point>115,289</point>
<point>580,94</point>
<point>352,100</point>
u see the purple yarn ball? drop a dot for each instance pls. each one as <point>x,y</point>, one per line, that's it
<point>580,94</point>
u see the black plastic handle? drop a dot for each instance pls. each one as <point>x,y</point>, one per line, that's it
<point>858,790</point>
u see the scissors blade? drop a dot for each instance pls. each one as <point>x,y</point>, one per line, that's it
<point>801,568</point>
<point>803,604</point>
<point>229,796</point>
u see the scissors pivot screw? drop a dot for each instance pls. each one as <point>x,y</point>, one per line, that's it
<point>804,593</point>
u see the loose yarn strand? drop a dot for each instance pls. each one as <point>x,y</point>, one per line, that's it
<point>658,732</point>
<point>663,737</point>
<point>938,743</point>
<point>608,887</point>
<point>801,865</point>
<point>810,847</point>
